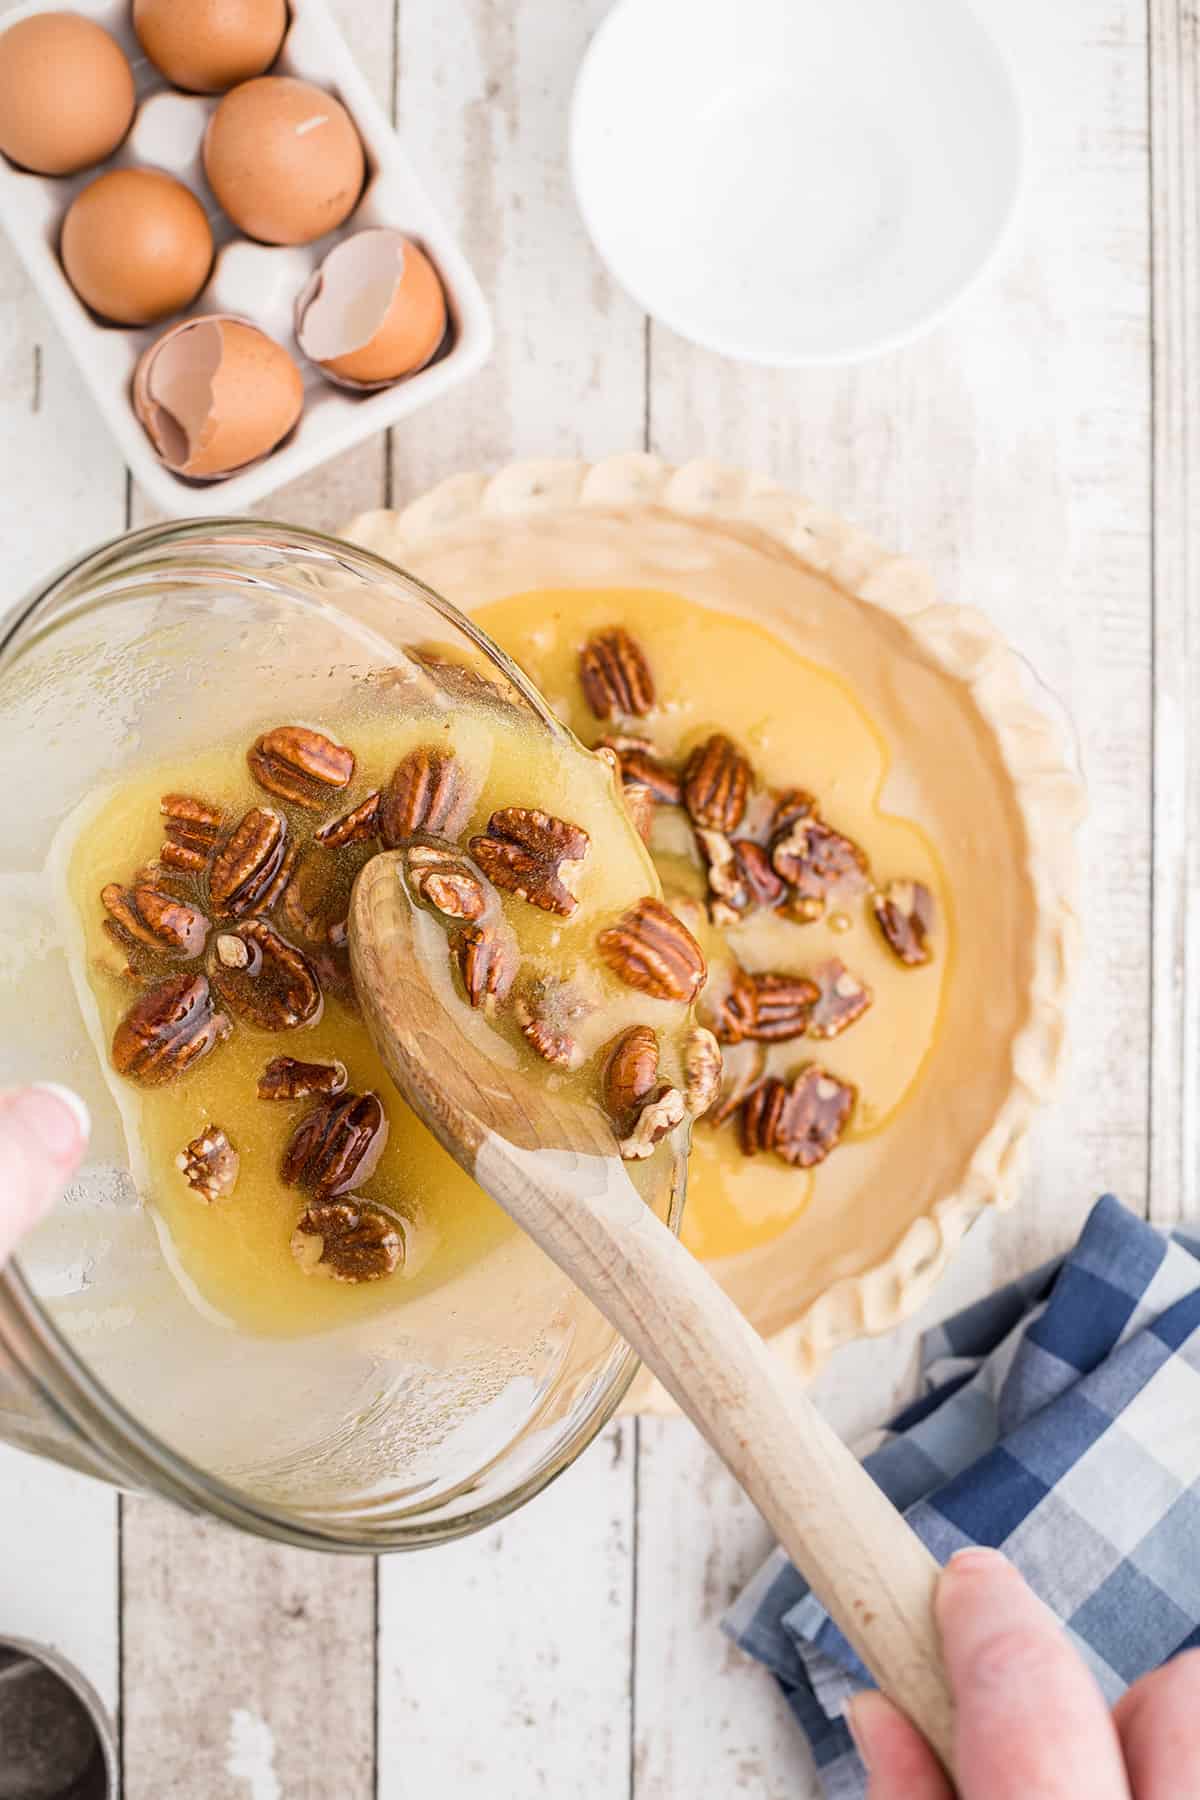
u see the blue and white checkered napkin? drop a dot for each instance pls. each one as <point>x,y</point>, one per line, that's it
<point>1061,1424</point>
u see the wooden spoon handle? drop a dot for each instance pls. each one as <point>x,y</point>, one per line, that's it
<point>864,1564</point>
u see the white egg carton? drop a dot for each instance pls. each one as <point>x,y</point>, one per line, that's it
<point>257,281</point>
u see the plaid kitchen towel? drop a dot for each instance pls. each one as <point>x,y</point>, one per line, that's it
<point>1060,1423</point>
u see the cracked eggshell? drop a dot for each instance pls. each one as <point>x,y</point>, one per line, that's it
<point>374,310</point>
<point>284,160</point>
<point>214,394</point>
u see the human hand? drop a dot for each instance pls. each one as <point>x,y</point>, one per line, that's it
<point>1031,1723</point>
<point>43,1133</point>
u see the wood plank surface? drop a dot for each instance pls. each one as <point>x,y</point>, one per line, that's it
<point>1175,203</point>
<point>574,1649</point>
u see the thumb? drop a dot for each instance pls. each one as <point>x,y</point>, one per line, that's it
<point>43,1133</point>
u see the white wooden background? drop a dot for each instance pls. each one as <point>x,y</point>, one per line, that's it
<point>1041,449</point>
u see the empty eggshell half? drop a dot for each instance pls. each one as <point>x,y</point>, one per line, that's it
<point>215,394</point>
<point>373,311</point>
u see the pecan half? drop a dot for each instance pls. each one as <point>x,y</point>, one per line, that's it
<point>702,1066</point>
<point>428,792</point>
<point>905,913</point>
<point>546,1013</point>
<point>630,1073</point>
<point>790,806</point>
<point>286,1079</point>
<point>357,826</point>
<point>192,827</point>
<point>782,1007</point>
<point>650,949</point>
<point>728,897</point>
<point>444,879</point>
<point>167,1030</point>
<point>801,1122</point>
<point>244,868</point>
<point>300,765</point>
<point>156,919</point>
<point>311,903</point>
<point>763,886</point>
<point>657,1117</point>
<point>210,1164</point>
<point>533,855</point>
<point>844,998</point>
<point>615,675</point>
<point>348,1240</point>
<point>338,1143</point>
<point>815,860</point>
<point>487,960</point>
<point>716,781</point>
<point>641,768</point>
<point>265,980</point>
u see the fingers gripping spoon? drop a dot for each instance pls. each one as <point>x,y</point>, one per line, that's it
<point>551,1164</point>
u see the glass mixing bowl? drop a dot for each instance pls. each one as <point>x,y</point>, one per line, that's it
<point>414,1425</point>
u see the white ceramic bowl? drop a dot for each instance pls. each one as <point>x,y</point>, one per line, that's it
<point>789,181</point>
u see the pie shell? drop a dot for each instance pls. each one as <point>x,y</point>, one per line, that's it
<point>1037,759</point>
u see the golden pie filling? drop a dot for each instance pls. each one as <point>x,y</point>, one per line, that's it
<point>292,1186</point>
<point>759,782</point>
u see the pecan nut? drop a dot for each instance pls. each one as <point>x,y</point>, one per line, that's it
<point>716,782</point>
<point>660,1114</point>
<point>533,855</point>
<point>801,1122</point>
<point>210,1164</point>
<point>265,980</point>
<point>192,827</point>
<point>814,861</point>
<point>487,961</point>
<point>300,765</point>
<point>650,949</point>
<point>244,870</point>
<point>428,792</point>
<point>546,1014</point>
<point>762,885</point>
<point>348,1240</point>
<point>312,902</point>
<point>641,806</point>
<point>783,1006</point>
<point>844,998</point>
<point>156,919</point>
<point>641,768</point>
<point>702,1068</point>
<point>905,913</point>
<point>615,675</point>
<point>337,1144</point>
<point>728,895</point>
<point>167,1030</point>
<point>357,826</point>
<point>791,805</point>
<point>444,879</point>
<point>286,1079</point>
<point>630,1073</point>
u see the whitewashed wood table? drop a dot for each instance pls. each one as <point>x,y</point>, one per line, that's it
<point>1040,448</point>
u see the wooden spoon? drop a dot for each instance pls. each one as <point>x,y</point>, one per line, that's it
<point>551,1164</point>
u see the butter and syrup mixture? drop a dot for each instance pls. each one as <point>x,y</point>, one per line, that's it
<point>756,779</point>
<point>212,895</point>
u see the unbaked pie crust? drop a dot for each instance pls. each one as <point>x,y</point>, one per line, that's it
<point>974,761</point>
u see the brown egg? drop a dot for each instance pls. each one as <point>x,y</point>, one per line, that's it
<point>136,245</point>
<point>210,45</point>
<point>66,93</point>
<point>284,160</point>
<point>214,394</point>
<point>373,311</point>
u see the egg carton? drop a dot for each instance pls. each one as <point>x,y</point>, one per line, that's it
<point>259,282</point>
